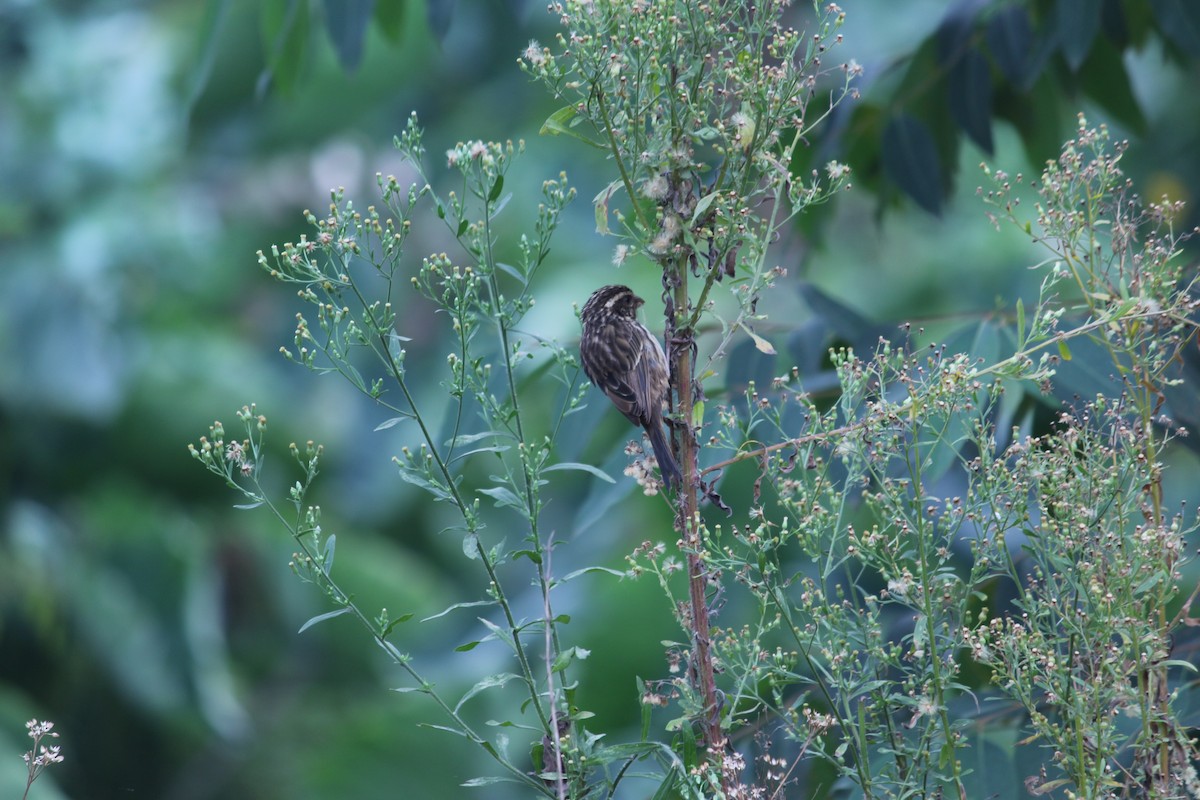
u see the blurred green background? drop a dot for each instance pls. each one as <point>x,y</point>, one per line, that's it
<point>148,149</point>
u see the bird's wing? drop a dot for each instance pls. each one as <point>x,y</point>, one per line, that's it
<point>609,370</point>
<point>648,380</point>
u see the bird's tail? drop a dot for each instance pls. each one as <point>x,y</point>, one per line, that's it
<point>662,454</point>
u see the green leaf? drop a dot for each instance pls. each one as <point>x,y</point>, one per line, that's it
<point>702,206</point>
<point>470,546</point>
<point>248,506</point>
<point>466,648</point>
<point>469,438</point>
<point>409,475</point>
<point>698,414</point>
<point>503,497</point>
<point>575,465</point>
<point>532,555</point>
<point>1063,350</point>
<point>947,755</point>
<point>323,617</point>
<point>330,548</point>
<point>485,684</point>
<point>393,623</point>
<point>562,122</point>
<point>1020,324</point>
<point>565,658</point>
<point>488,780</point>
<point>497,188</point>
<point>585,570</point>
<point>389,423</point>
<point>667,788</point>
<point>503,634</point>
<point>456,606</point>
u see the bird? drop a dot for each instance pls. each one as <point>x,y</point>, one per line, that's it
<point>625,361</point>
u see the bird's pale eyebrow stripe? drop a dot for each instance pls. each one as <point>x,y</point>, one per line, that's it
<point>609,303</point>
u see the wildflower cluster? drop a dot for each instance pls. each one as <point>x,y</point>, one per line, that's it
<point>41,756</point>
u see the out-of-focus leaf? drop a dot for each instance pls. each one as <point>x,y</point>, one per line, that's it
<point>209,41</point>
<point>285,27</point>
<point>911,160</point>
<point>1179,20</point>
<point>1077,21</point>
<point>1114,24</point>
<point>1020,53</point>
<point>389,16</point>
<point>1010,38</point>
<point>439,13</point>
<point>969,92</point>
<point>346,22</point>
<point>1037,116</point>
<point>1105,80</point>
<point>489,780</point>
<point>956,28</point>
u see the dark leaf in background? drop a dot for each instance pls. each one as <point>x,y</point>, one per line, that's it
<point>1020,53</point>
<point>1183,400</point>
<point>1179,21</point>
<point>440,13</point>
<point>347,21</point>
<point>1105,80</point>
<point>1114,24</point>
<point>968,76</point>
<point>955,31</point>
<point>1078,22</point>
<point>910,159</point>
<point>1037,115</point>
<point>969,92</point>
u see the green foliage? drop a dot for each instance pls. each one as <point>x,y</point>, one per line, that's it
<point>870,603</point>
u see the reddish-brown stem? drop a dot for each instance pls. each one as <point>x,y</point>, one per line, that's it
<point>682,345</point>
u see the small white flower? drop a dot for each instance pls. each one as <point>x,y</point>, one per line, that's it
<point>534,53</point>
